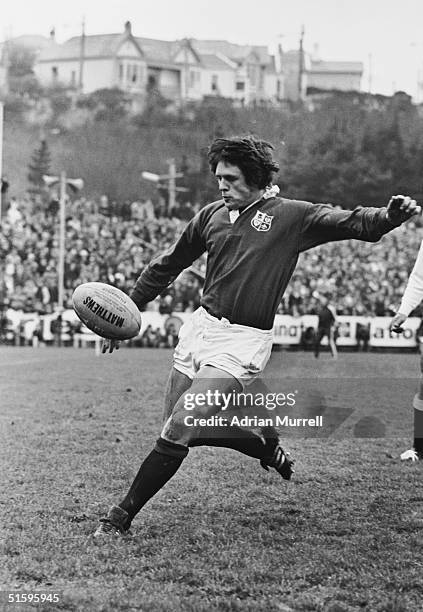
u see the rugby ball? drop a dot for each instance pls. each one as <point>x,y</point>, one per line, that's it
<point>107,311</point>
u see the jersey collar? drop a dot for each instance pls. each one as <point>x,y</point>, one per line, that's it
<point>270,192</point>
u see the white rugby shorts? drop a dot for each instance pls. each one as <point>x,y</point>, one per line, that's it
<point>240,350</point>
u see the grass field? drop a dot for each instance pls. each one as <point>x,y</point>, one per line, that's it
<point>346,534</point>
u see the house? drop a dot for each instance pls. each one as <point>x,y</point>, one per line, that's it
<point>344,76</point>
<point>173,68</point>
<point>189,69</point>
<point>135,65</point>
<point>178,70</point>
<point>254,76</point>
<point>310,72</point>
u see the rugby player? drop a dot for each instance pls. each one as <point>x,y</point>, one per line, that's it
<point>253,239</point>
<point>326,327</point>
<point>412,297</point>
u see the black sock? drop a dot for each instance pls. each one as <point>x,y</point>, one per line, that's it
<point>157,468</point>
<point>418,426</point>
<point>246,442</point>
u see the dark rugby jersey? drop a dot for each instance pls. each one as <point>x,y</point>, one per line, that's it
<point>326,318</point>
<point>250,262</point>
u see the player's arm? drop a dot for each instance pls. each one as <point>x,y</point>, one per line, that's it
<point>413,294</point>
<point>163,269</point>
<point>323,223</point>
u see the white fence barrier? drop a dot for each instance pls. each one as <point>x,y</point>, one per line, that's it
<point>287,330</point>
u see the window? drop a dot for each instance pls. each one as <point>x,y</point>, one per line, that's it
<point>214,82</point>
<point>120,72</point>
<point>240,86</point>
<point>55,72</point>
<point>252,74</point>
<point>194,77</point>
<point>73,78</point>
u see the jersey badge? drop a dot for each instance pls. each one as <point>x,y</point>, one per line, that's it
<point>262,222</point>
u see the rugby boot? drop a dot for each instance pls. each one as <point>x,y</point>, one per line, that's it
<point>116,522</point>
<point>278,459</point>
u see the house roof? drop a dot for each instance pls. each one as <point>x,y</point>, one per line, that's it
<point>106,45</point>
<point>97,45</point>
<point>231,50</point>
<point>212,61</point>
<point>319,66</point>
<point>164,50</point>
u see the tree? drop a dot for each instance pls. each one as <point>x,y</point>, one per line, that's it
<point>20,70</point>
<point>108,104</point>
<point>21,60</point>
<point>39,165</point>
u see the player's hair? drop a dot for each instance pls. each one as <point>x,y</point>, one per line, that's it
<point>251,155</point>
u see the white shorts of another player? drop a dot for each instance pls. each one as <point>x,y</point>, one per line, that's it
<point>240,350</point>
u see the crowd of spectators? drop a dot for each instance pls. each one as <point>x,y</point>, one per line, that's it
<point>111,248</point>
<point>112,244</point>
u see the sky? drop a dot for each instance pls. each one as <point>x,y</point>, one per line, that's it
<point>386,35</point>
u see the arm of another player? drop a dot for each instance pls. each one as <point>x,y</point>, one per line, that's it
<point>413,294</point>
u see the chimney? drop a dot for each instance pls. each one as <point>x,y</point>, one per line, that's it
<point>128,29</point>
<point>53,34</point>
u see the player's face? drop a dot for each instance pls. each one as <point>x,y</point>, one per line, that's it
<point>233,187</point>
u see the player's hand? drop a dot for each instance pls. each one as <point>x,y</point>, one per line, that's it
<point>401,208</point>
<point>397,322</point>
<point>109,345</point>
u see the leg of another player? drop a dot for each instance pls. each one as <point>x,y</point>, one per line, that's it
<point>317,341</point>
<point>416,452</point>
<point>418,415</point>
<point>332,343</point>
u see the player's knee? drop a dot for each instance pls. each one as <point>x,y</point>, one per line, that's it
<point>177,430</point>
<point>171,449</point>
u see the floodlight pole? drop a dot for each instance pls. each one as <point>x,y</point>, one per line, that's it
<point>172,186</point>
<point>171,182</point>
<point>76,184</point>
<point>62,241</point>
<point>1,150</point>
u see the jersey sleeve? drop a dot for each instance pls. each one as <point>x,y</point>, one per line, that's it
<point>413,293</point>
<point>163,270</point>
<point>323,223</point>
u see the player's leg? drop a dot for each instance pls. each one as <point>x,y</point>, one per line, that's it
<point>418,415</point>
<point>332,343</point>
<point>257,444</point>
<point>177,384</point>
<point>416,453</point>
<point>118,520</point>
<point>319,335</point>
<point>172,446</point>
<point>243,440</point>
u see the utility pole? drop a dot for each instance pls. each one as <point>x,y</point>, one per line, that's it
<point>81,58</point>
<point>370,73</point>
<point>77,185</point>
<point>1,151</point>
<point>172,185</point>
<point>4,85</point>
<point>171,177</point>
<point>301,65</point>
